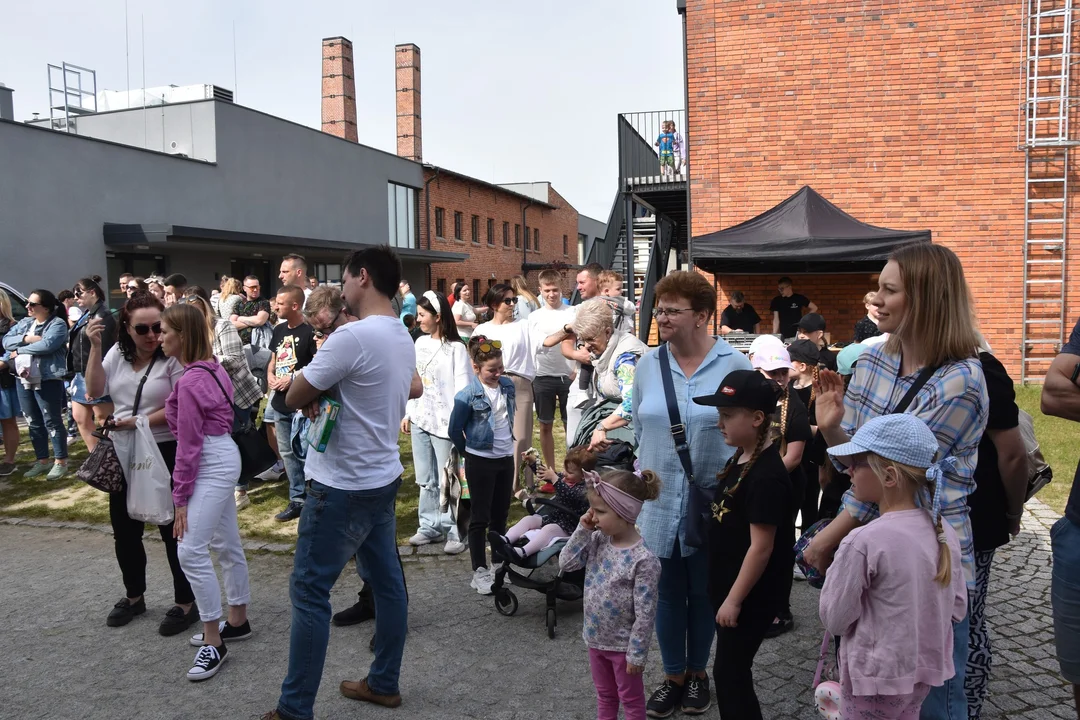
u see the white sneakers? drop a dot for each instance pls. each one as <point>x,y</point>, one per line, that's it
<point>454,547</point>
<point>421,539</point>
<point>242,500</point>
<point>482,580</point>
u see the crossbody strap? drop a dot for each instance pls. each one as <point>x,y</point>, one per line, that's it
<point>924,376</point>
<point>211,374</point>
<point>138,392</point>
<point>678,429</point>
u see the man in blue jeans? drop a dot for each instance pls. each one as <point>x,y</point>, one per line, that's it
<point>367,366</point>
<point>1061,397</point>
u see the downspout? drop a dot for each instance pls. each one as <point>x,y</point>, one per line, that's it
<point>525,245</point>
<point>686,140</point>
<point>427,217</point>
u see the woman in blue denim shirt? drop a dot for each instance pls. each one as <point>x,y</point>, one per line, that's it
<point>43,334</point>
<point>482,429</point>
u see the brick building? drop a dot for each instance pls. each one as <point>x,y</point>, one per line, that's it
<point>905,114</point>
<point>506,230</point>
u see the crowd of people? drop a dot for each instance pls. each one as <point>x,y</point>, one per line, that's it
<point>688,468</point>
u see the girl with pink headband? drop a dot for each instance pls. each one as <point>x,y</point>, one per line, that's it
<point>621,579</point>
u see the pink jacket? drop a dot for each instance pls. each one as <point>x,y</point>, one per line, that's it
<point>197,408</point>
<point>894,620</point>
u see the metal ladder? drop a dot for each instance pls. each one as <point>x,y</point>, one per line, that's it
<point>1046,140</point>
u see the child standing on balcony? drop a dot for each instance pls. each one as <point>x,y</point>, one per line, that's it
<point>665,143</point>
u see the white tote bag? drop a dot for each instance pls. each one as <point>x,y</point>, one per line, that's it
<point>149,483</point>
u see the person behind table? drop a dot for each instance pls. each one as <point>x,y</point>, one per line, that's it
<point>867,327</point>
<point>569,488</point>
<point>482,429</point>
<point>787,308</point>
<point>812,327</point>
<point>739,316</point>
<point>623,312</point>
<point>199,412</point>
<point>622,577</point>
<point>750,537</point>
<point>899,570</point>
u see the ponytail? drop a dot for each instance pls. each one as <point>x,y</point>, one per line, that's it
<point>944,564</point>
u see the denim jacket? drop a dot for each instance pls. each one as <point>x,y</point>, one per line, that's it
<point>51,349</point>
<point>471,425</point>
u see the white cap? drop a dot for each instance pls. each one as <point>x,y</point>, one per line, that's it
<point>763,342</point>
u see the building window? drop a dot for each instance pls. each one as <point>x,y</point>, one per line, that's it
<point>440,285</point>
<point>401,208</point>
<point>328,273</point>
<point>457,225</point>
<point>565,245</point>
<point>476,291</point>
<point>517,236</point>
<point>506,234</point>
<point>536,239</point>
<point>491,231</point>
<point>476,229</point>
<point>439,215</point>
<point>582,239</point>
<point>527,236</point>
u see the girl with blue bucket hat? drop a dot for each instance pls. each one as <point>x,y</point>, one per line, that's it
<point>896,585</point>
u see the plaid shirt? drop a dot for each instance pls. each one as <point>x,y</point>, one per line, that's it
<point>953,404</point>
<point>230,353</point>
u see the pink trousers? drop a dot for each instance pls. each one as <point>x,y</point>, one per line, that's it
<point>615,685</point>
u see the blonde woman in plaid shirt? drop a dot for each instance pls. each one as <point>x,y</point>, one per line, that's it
<point>923,303</point>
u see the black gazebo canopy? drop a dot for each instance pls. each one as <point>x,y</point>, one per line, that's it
<point>804,234</point>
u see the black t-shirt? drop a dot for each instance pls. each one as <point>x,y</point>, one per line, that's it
<point>744,319</point>
<point>989,526</point>
<point>763,497</point>
<point>293,348</point>
<point>790,310</point>
<point>796,430</point>
<point>815,449</point>
<point>827,359</point>
<point>1072,509</point>
<point>864,329</point>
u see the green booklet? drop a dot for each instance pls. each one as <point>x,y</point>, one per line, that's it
<point>318,433</point>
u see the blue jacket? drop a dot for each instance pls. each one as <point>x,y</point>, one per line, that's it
<point>51,349</point>
<point>471,424</point>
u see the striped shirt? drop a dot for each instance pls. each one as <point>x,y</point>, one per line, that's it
<point>953,404</point>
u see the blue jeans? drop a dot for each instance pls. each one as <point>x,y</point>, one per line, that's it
<point>430,454</point>
<point>334,526</point>
<point>685,622</point>
<point>294,466</point>
<point>1065,596</point>
<point>949,701</point>
<point>44,411</point>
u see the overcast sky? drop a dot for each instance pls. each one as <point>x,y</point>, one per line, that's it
<point>512,91</point>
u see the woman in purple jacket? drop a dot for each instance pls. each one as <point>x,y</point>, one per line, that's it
<point>200,414</point>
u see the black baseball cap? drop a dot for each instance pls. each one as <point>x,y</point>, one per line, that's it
<point>744,389</point>
<point>812,322</point>
<point>805,351</point>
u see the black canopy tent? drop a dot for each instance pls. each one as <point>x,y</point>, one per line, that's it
<point>804,234</point>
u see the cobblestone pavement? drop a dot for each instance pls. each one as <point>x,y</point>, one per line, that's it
<point>462,660</point>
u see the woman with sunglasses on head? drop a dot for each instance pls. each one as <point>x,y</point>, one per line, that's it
<point>519,360</point>
<point>89,411</point>
<point>9,396</point>
<point>136,367</point>
<point>42,337</point>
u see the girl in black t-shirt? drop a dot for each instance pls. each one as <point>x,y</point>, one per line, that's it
<point>750,538</point>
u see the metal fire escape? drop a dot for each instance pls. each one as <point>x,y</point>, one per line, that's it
<point>1047,138</point>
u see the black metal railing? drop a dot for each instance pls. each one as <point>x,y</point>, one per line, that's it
<point>652,148</point>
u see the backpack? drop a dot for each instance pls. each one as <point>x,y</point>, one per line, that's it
<point>1039,471</point>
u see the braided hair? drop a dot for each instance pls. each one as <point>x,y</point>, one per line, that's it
<point>763,436</point>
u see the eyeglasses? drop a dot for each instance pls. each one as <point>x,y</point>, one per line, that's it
<point>669,312</point>
<point>143,329</point>
<point>251,287</point>
<point>509,301</point>
<point>490,345</point>
<point>77,292</point>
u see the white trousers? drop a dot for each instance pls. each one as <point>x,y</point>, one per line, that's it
<point>211,525</point>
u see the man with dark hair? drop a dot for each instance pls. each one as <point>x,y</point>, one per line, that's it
<point>368,367</point>
<point>312,282</point>
<point>124,278</point>
<point>175,285</point>
<point>252,312</point>
<point>551,385</point>
<point>787,308</point>
<point>293,272</point>
<point>739,316</point>
<point>812,327</point>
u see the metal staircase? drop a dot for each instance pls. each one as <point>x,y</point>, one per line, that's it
<point>1047,137</point>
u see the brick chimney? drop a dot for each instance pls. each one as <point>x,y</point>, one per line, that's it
<point>409,133</point>
<point>338,88</point>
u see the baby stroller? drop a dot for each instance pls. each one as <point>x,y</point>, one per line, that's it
<point>534,573</point>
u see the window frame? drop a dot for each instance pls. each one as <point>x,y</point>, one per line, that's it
<point>491,231</point>
<point>458,217</point>
<point>475,229</point>
<point>440,223</point>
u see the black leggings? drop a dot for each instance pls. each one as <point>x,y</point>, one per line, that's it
<point>130,553</point>
<point>490,485</point>
<point>733,677</point>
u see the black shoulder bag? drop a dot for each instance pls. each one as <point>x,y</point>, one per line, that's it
<point>924,376</point>
<point>699,508</point>
<point>255,453</point>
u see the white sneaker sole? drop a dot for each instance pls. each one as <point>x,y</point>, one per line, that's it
<point>269,475</point>
<point>454,548</point>
<point>420,539</point>
<point>200,676</point>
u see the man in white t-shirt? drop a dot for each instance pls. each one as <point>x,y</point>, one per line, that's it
<point>367,366</point>
<point>554,372</point>
<point>293,271</point>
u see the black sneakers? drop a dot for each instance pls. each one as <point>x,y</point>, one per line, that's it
<point>228,633</point>
<point>123,612</point>
<point>784,623</point>
<point>664,700</point>
<point>208,661</point>
<point>362,611</point>
<point>177,621</point>
<point>696,699</point>
<point>291,512</point>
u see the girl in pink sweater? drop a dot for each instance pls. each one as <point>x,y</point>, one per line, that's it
<point>896,584</point>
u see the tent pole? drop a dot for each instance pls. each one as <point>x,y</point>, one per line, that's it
<point>715,317</point>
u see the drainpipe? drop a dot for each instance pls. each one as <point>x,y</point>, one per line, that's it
<point>427,217</point>
<point>524,245</point>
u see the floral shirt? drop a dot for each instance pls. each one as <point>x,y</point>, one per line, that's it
<point>625,365</point>
<point>571,497</point>
<point>620,592</point>
<point>248,308</point>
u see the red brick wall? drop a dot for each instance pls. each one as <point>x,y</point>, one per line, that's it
<point>338,88</point>
<point>904,114</point>
<point>453,193</point>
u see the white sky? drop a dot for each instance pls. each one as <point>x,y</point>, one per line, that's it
<point>513,91</point>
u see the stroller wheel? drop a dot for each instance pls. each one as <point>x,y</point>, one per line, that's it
<point>551,623</point>
<point>506,602</point>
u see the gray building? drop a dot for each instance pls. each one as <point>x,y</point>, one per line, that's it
<point>204,188</point>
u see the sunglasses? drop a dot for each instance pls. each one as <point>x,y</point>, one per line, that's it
<point>143,329</point>
<point>32,305</point>
<point>509,301</point>
<point>490,345</point>
<point>132,288</point>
